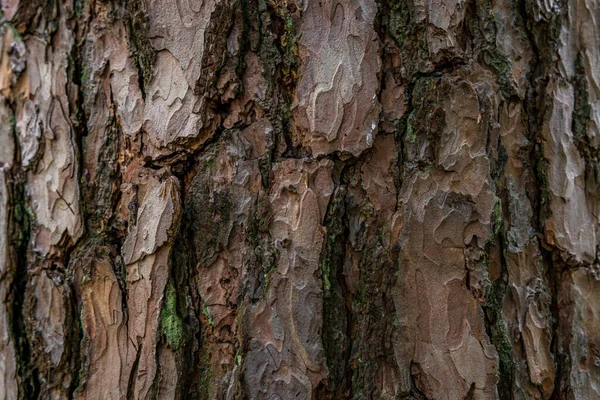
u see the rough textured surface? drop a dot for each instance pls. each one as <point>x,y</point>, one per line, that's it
<point>285,357</point>
<point>102,320</point>
<point>445,212</point>
<point>362,199</point>
<point>337,105</point>
<point>43,121</point>
<point>572,225</point>
<point>146,253</point>
<point>175,99</point>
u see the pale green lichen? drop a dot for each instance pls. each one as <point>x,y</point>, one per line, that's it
<point>85,74</point>
<point>172,324</point>
<point>325,271</point>
<point>411,135</point>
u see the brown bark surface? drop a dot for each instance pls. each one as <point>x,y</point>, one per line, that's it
<point>294,199</point>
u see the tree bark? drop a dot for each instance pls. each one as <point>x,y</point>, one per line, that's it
<point>283,199</point>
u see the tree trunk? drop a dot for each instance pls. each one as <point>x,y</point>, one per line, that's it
<point>285,199</point>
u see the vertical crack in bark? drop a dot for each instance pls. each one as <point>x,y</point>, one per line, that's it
<point>141,47</point>
<point>497,329</point>
<point>337,316</point>
<point>180,316</point>
<point>19,234</point>
<point>540,38</point>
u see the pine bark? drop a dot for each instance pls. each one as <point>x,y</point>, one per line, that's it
<point>283,199</point>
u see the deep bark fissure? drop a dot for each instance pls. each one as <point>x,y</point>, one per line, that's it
<point>337,315</point>
<point>496,327</point>
<point>30,381</point>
